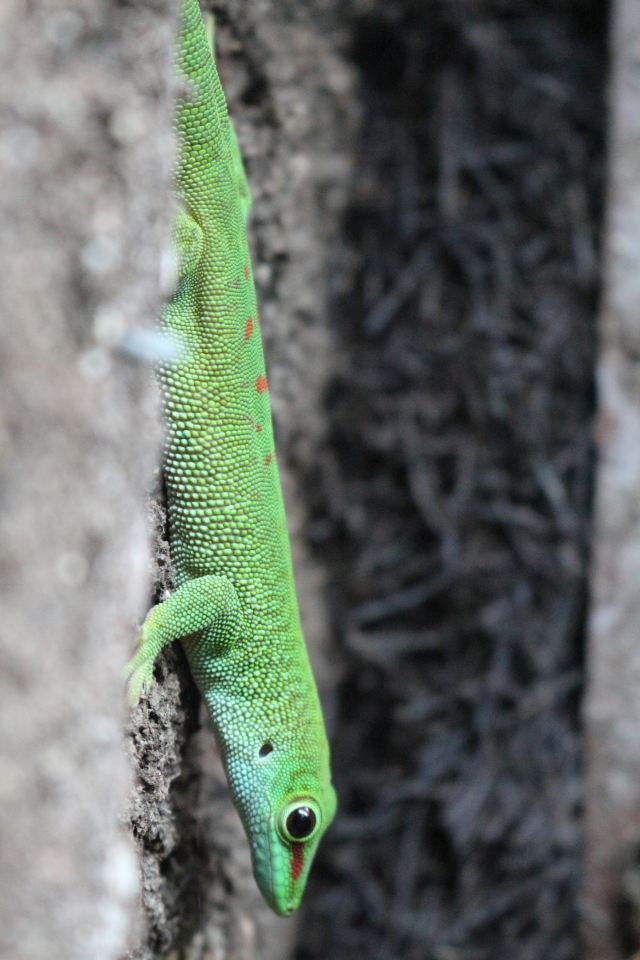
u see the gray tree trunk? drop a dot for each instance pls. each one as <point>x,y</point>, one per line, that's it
<point>83,125</point>
<point>612,908</point>
<point>85,163</point>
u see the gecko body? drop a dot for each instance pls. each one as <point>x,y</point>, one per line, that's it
<point>235,608</point>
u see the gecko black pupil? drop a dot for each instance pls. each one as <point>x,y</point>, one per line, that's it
<point>301,823</point>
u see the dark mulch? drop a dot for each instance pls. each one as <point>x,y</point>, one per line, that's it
<point>454,505</point>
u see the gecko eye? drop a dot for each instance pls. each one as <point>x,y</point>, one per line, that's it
<point>299,821</point>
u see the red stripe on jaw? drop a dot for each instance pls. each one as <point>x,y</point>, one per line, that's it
<point>297,860</point>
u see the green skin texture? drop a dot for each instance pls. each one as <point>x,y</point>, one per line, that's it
<point>234,608</point>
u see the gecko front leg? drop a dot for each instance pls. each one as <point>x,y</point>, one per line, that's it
<point>206,603</point>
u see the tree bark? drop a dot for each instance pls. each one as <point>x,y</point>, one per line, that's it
<point>613,701</point>
<point>85,167</point>
<point>85,158</point>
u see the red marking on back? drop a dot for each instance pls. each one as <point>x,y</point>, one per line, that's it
<point>261,384</point>
<point>246,271</point>
<point>258,427</point>
<point>268,459</point>
<point>297,860</point>
<point>248,330</point>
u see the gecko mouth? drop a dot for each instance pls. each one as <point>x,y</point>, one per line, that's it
<point>270,893</point>
<point>283,907</point>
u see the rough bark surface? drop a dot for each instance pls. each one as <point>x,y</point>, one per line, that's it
<point>83,105</point>
<point>612,907</point>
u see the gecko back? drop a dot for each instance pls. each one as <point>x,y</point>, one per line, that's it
<point>235,608</point>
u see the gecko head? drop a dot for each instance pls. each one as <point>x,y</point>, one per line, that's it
<point>292,805</point>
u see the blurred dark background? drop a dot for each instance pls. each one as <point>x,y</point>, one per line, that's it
<point>456,490</point>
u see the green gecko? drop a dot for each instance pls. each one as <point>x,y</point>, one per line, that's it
<point>235,608</point>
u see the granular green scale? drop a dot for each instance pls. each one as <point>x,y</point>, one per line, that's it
<point>235,608</point>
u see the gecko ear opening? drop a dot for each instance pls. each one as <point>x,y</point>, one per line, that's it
<point>265,749</point>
